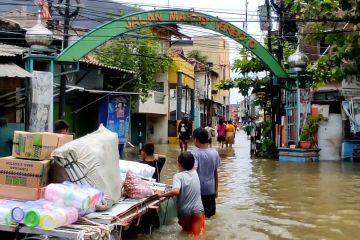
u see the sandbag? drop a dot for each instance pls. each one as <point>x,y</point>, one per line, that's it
<point>140,169</point>
<point>93,160</point>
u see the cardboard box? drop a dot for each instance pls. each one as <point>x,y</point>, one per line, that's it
<point>26,173</point>
<point>38,145</point>
<point>22,193</point>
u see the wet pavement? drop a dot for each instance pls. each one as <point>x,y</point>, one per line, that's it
<point>266,199</point>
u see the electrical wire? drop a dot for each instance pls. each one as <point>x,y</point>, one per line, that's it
<point>105,18</point>
<point>90,10</point>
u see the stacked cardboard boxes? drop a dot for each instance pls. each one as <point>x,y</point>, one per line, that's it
<point>25,174</point>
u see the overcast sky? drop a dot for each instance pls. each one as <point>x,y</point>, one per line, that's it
<point>229,10</point>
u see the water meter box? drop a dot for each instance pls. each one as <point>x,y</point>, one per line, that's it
<point>38,145</point>
<point>21,172</point>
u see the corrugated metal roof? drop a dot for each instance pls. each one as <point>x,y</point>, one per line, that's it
<point>10,50</point>
<point>13,70</point>
<point>97,64</point>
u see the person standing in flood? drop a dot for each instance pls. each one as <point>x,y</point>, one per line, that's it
<point>221,131</point>
<point>207,162</point>
<point>230,134</point>
<point>184,130</point>
<point>211,132</point>
<point>248,128</point>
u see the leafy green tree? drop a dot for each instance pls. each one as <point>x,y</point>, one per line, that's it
<point>336,23</point>
<point>142,55</point>
<point>196,54</point>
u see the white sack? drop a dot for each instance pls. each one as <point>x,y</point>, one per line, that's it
<point>140,169</point>
<point>93,160</point>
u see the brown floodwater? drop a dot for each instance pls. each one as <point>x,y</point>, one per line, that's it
<point>266,199</point>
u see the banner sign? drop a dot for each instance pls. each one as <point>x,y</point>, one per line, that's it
<point>41,107</point>
<point>115,115</point>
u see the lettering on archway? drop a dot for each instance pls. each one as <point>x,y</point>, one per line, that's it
<point>135,21</point>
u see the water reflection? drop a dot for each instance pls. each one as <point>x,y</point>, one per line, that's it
<point>265,199</point>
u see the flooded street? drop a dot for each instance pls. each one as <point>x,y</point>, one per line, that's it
<point>266,199</point>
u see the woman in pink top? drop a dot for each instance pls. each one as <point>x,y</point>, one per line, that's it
<point>221,132</point>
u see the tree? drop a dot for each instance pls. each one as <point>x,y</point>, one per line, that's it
<point>197,55</point>
<point>336,23</point>
<point>249,66</point>
<point>141,54</point>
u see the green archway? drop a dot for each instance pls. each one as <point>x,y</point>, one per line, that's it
<point>131,22</point>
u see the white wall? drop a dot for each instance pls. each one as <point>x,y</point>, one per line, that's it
<point>159,124</point>
<point>149,106</point>
<point>329,137</point>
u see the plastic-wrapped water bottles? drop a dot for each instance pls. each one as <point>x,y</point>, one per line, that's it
<point>19,211</point>
<point>67,196</point>
<point>71,214</point>
<point>96,196</point>
<point>5,214</point>
<point>49,219</point>
<point>44,218</point>
<point>12,205</point>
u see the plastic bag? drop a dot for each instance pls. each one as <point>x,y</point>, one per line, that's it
<point>134,187</point>
<point>140,169</point>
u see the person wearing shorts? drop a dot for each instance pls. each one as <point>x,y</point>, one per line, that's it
<point>186,186</point>
<point>207,162</point>
<point>184,130</point>
<point>221,131</point>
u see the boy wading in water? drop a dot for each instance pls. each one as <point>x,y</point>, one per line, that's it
<point>186,186</point>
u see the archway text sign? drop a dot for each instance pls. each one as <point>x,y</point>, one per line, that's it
<point>135,21</point>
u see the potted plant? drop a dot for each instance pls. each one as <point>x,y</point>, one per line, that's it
<point>306,137</point>
<point>310,128</point>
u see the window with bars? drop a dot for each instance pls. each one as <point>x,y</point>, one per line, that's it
<point>158,87</point>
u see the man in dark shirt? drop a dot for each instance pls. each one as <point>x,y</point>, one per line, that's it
<point>184,130</point>
<point>148,157</point>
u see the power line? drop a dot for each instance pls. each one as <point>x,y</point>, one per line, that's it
<point>91,10</point>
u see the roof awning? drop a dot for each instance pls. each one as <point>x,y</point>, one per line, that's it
<point>11,70</point>
<point>70,88</point>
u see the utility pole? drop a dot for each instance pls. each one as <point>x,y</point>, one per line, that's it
<point>246,16</point>
<point>65,44</point>
<point>279,8</point>
<point>67,15</point>
<point>272,88</point>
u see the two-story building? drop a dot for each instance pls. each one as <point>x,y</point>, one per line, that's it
<point>216,50</point>
<point>181,92</point>
<point>204,76</point>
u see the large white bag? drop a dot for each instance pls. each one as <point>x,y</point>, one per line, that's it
<point>93,160</point>
<point>140,169</point>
